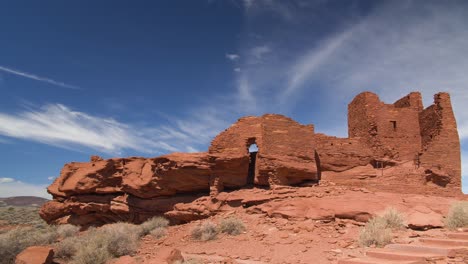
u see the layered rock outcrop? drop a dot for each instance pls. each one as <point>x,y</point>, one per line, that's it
<point>185,186</point>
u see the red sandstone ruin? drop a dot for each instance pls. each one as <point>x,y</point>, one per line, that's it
<point>415,146</point>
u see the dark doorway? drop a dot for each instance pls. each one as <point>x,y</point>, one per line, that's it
<point>394,125</point>
<point>253,150</point>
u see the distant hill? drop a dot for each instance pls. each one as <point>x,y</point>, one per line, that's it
<point>22,201</point>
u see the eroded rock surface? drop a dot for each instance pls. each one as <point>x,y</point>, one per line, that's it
<point>389,144</point>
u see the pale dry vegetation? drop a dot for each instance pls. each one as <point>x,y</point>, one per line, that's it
<point>67,230</point>
<point>98,245</point>
<point>153,224</point>
<point>378,231</point>
<point>22,215</point>
<point>16,240</point>
<point>209,230</point>
<point>457,216</point>
<point>204,232</point>
<point>232,226</point>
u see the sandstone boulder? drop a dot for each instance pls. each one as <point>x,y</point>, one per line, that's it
<point>35,255</point>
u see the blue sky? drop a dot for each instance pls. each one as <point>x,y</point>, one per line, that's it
<point>145,78</point>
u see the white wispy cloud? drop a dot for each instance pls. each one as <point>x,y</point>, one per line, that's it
<point>11,187</point>
<point>422,50</point>
<point>6,180</point>
<point>50,178</point>
<point>58,125</point>
<point>37,77</point>
<point>258,52</point>
<point>232,56</point>
<point>305,67</point>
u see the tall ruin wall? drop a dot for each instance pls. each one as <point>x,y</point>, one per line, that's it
<point>440,140</point>
<point>391,130</point>
<point>404,131</point>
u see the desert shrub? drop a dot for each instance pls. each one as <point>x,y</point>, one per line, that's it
<point>153,223</point>
<point>375,233</point>
<point>93,249</point>
<point>67,248</point>
<point>98,245</point>
<point>392,219</point>
<point>16,240</point>
<point>158,232</point>
<point>24,215</point>
<point>204,232</point>
<point>122,238</point>
<point>231,226</point>
<point>67,230</point>
<point>457,216</point>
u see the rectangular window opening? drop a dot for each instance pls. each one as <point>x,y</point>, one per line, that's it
<point>394,125</point>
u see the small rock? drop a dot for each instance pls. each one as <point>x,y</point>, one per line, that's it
<point>35,255</point>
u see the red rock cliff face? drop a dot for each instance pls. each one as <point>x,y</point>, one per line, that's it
<point>177,185</point>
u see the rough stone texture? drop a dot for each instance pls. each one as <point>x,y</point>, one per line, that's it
<point>341,154</point>
<point>440,141</point>
<point>286,153</point>
<point>391,130</point>
<point>405,131</point>
<point>145,178</point>
<point>388,144</point>
<point>35,255</point>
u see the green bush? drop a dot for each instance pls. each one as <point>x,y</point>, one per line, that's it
<point>231,226</point>
<point>458,216</point>
<point>153,223</point>
<point>204,232</point>
<point>18,239</point>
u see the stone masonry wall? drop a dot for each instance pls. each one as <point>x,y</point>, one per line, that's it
<point>440,140</point>
<point>391,130</point>
<point>286,152</point>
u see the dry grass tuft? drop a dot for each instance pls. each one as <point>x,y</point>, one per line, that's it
<point>392,219</point>
<point>231,226</point>
<point>375,233</point>
<point>158,232</point>
<point>67,230</point>
<point>98,245</point>
<point>458,216</point>
<point>153,223</point>
<point>16,240</point>
<point>378,231</point>
<point>204,232</point>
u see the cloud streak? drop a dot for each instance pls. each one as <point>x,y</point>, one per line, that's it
<point>232,57</point>
<point>58,125</point>
<point>6,180</point>
<point>420,51</point>
<point>37,78</point>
